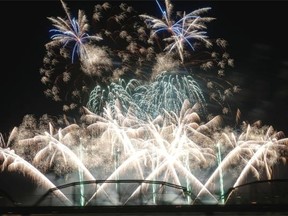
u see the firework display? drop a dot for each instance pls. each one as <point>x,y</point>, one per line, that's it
<point>151,103</point>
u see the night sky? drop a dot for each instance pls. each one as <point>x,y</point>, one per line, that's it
<point>255,31</point>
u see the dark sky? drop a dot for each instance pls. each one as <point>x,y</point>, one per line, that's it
<point>255,30</point>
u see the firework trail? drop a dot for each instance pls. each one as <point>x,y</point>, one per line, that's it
<point>171,148</point>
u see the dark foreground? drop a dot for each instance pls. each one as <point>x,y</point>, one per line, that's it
<point>252,209</point>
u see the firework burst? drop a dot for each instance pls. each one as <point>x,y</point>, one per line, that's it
<point>181,32</point>
<point>72,31</point>
<point>130,49</point>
